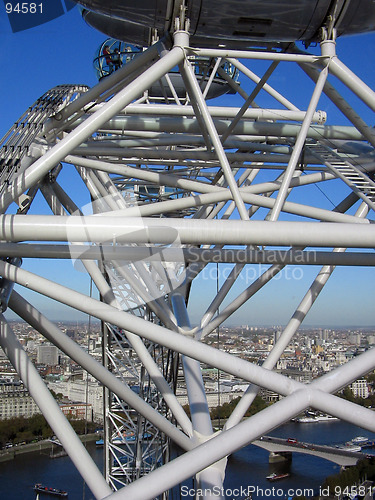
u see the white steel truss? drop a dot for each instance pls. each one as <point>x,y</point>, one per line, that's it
<point>177,184</point>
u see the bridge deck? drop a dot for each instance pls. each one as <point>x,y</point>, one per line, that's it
<point>339,456</point>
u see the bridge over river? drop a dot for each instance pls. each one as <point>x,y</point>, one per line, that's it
<point>344,458</point>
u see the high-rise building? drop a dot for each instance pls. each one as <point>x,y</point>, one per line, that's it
<point>48,355</point>
<point>355,338</point>
<point>70,333</point>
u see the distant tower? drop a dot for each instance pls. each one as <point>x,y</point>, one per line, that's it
<point>324,335</point>
<point>276,335</point>
<point>355,338</point>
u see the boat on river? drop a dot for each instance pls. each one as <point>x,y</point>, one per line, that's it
<point>349,446</point>
<point>276,477</point>
<point>311,417</point>
<point>40,488</point>
<point>361,440</point>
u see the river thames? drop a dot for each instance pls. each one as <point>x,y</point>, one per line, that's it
<point>247,468</point>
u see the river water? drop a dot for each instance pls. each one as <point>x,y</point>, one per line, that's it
<point>247,468</point>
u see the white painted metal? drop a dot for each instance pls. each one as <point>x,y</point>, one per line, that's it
<point>189,231</point>
<point>47,404</point>
<point>176,188</point>
<point>206,255</point>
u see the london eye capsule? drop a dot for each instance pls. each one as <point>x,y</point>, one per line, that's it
<point>230,23</point>
<point>113,54</point>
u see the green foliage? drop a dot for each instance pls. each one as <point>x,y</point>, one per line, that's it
<point>352,475</point>
<point>21,429</point>
<point>225,410</point>
<point>26,430</point>
<point>82,427</point>
<point>369,402</point>
<point>349,396</point>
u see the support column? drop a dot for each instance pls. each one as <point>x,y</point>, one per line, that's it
<point>200,415</point>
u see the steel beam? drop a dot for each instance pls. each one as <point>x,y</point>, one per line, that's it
<point>318,117</point>
<point>189,255</point>
<point>298,146</point>
<point>246,127</point>
<point>188,231</point>
<point>30,314</point>
<point>51,411</point>
<point>38,169</point>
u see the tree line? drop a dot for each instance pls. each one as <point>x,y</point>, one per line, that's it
<point>365,469</point>
<point>27,430</point>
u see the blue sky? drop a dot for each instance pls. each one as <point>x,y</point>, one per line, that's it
<point>62,50</point>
